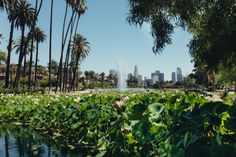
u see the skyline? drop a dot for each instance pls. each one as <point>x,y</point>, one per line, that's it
<point>112,38</point>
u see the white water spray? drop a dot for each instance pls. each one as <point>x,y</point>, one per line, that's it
<point>122,84</point>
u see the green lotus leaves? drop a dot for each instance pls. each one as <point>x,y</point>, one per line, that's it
<point>168,124</point>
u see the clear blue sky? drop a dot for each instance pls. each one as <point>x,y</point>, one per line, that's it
<point>111,38</point>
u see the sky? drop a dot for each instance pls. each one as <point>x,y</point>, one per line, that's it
<point>111,38</point>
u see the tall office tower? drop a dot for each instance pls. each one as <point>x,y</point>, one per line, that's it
<point>136,71</point>
<point>161,77</point>
<point>155,79</point>
<point>156,73</point>
<point>179,74</point>
<point>173,77</point>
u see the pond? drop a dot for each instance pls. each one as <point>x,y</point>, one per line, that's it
<point>19,141</point>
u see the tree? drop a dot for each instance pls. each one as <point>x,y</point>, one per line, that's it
<point>102,76</point>
<point>212,24</point>
<point>50,44</point>
<point>80,50</point>
<point>40,37</point>
<point>3,4</point>
<point>2,57</point>
<point>27,49</point>
<point>24,17</point>
<point>54,66</point>
<point>32,33</point>
<point>78,7</point>
<point>11,18</point>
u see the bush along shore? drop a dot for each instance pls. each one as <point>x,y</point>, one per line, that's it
<point>129,124</point>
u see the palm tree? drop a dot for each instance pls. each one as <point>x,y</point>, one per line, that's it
<point>79,51</point>
<point>3,4</point>
<point>39,37</point>
<point>77,6</point>
<point>32,33</point>
<point>11,18</point>
<point>50,45</point>
<point>64,38</point>
<point>26,47</point>
<point>24,17</point>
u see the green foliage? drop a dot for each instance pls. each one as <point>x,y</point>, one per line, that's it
<point>129,124</point>
<point>211,23</point>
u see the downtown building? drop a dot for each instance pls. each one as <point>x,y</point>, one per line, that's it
<point>173,77</point>
<point>137,76</point>
<point>179,75</point>
<point>157,76</point>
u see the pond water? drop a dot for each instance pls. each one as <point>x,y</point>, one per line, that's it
<point>18,141</point>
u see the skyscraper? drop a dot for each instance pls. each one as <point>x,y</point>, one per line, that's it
<point>179,74</point>
<point>136,71</point>
<point>173,77</point>
<point>161,77</point>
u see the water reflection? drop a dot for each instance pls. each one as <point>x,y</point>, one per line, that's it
<point>18,141</point>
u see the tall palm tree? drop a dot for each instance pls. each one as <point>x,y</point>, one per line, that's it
<point>50,45</point>
<point>39,37</point>
<point>24,17</point>
<point>26,47</point>
<point>80,50</point>
<point>79,7</point>
<point>76,6</point>
<point>32,33</point>
<point>64,38</point>
<point>11,18</point>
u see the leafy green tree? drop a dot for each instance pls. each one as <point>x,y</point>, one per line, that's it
<point>54,66</point>
<point>212,24</point>
<point>2,57</point>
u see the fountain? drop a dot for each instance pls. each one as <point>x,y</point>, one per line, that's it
<point>121,84</point>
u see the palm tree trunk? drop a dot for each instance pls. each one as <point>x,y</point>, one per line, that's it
<point>17,78</point>
<point>30,63</point>
<point>9,49</point>
<point>36,64</point>
<point>50,46</point>
<point>21,55</point>
<point>62,44</point>
<point>32,46</point>
<point>77,23</point>
<point>66,65</point>
<point>59,73</point>
<point>73,83</point>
